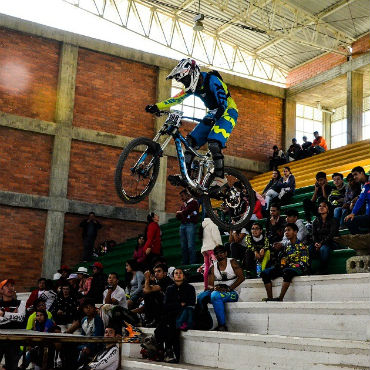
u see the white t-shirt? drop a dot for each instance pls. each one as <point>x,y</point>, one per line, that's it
<point>119,295</point>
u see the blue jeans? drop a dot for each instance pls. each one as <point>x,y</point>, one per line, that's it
<point>359,225</point>
<point>218,300</point>
<point>340,213</point>
<point>187,240</point>
<point>323,254</point>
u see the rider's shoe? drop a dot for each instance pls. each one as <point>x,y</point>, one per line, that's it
<point>177,180</point>
<point>219,182</point>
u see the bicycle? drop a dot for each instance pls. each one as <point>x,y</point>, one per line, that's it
<point>229,207</point>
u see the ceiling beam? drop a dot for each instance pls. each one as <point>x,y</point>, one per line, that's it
<point>185,5</point>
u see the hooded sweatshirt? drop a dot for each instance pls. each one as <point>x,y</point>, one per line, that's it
<point>211,235</point>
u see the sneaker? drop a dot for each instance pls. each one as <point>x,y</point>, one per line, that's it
<point>222,328</point>
<point>170,357</point>
<point>219,181</point>
<point>177,180</point>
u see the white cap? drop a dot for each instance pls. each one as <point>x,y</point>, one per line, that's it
<point>82,270</point>
<point>72,276</point>
<point>57,276</point>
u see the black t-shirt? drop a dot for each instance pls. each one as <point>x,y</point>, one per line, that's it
<point>164,283</point>
<point>328,190</point>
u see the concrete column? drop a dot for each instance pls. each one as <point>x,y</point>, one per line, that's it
<point>326,123</point>
<point>354,106</point>
<point>289,122</point>
<point>157,197</point>
<point>53,240</point>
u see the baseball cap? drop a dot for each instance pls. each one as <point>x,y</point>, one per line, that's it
<point>57,276</point>
<point>82,270</point>
<point>4,282</point>
<point>64,268</point>
<point>72,276</point>
<point>97,265</point>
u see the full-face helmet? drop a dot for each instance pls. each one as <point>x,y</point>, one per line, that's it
<point>187,72</point>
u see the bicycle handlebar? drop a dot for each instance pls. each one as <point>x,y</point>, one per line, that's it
<point>166,113</point>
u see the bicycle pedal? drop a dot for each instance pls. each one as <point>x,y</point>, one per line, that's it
<point>176,180</point>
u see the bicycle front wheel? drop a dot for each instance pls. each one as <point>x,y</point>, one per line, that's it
<point>137,170</point>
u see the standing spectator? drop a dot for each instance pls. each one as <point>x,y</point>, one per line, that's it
<point>324,229</point>
<point>65,307</point>
<point>139,253</point>
<point>294,150</point>
<point>275,225</point>
<point>98,283</point>
<point>210,238</point>
<point>36,293</point>
<point>154,291</point>
<point>294,262</point>
<point>350,197</point>
<point>360,224</point>
<point>188,215</point>
<point>135,284</point>
<point>278,158</point>
<point>90,227</point>
<point>179,298</point>
<point>12,315</point>
<point>114,295</point>
<point>322,192</point>
<point>257,250</point>
<point>336,197</point>
<point>152,246</point>
<point>228,274</point>
<point>305,148</point>
<point>319,144</point>
<point>84,279</point>
<point>292,218</point>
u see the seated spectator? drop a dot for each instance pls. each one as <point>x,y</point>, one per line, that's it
<point>322,192</point>
<point>356,223</point>
<point>12,315</point>
<point>283,190</point>
<point>236,244</point>
<point>278,158</point>
<point>114,295</point>
<point>274,180</point>
<point>98,283</point>
<point>154,291</point>
<point>49,294</point>
<point>224,281</point>
<point>350,197</point>
<point>65,307</point>
<point>135,284</point>
<point>92,325</point>
<point>139,253</point>
<point>74,284</point>
<point>64,272</point>
<point>319,144</point>
<point>108,358</point>
<point>39,305</point>
<point>292,218</point>
<point>179,301</point>
<point>324,228</point>
<point>336,197</point>
<point>275,224</point>
<point>41,283</point>
<point>294,150</point>
<point>257,251</point>
<point>84,279</point>
<point>294,262</point>
<point>257,211</point>
<point>42,323</point>
<point>305,148</point>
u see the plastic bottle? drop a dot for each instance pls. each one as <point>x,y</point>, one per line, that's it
<point>259,269</point>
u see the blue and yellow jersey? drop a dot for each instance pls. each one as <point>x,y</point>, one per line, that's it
<point>213,92</point>
<point>297,255</point>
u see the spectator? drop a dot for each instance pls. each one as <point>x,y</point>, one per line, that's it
<point>135,285</point>
<point>152,246</point>
<point>305,148</point>
<point>319,144</point>
<point>98,282</point>
<point>322,192</point>
<point>92,326</point>
<point>114,295</point>
<point>275,225</point>
<point>108,358</point>
<point>278,158</point>
<point>360,224</point>
<point>273,182</point>
<point>49,294</point>
<point>179,299</point>
<point>257,211</point>
<point>41,283</point>
<point>336,197</point>
<point>350,197</point>
<point>292,218</point>
<point>294,262</point>
<point>210,238</point>
<point>90,227</point>
<point>42,322</point>
<point>84,279</point>
<point>236,244</point>
<point>257,251</point>
<point>324,228</point>
<point>12,315</point>
<point>154,291</point>
<point>65,307</point>
<point>228,274</point>
<point>64,272</point>
<point>40,305</point>
<point>188,215</point>
<point>294,150</point>
<point>74,284</point>
<point>139,253</point>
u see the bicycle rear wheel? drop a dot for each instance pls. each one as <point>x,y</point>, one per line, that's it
<point>232,206</point>
<point>137,170</point>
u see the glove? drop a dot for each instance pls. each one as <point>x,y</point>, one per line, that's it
<point>209,121</point>
<point>151,109</point>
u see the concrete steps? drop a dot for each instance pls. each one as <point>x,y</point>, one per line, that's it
<point>128,364</point>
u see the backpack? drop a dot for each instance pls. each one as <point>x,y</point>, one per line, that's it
<point>202,318</point>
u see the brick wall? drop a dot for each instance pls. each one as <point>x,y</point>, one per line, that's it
<point>28,75</point>
<point>326,62</point>
<point>25,160</point>
<point>117,230</point>
<point>21,245</point>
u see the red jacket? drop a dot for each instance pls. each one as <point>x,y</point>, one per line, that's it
<point>258,209</point>
<point>189,212</point>
<point>139,254</point>
<point>153,238</point>
<point>32,298</point>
